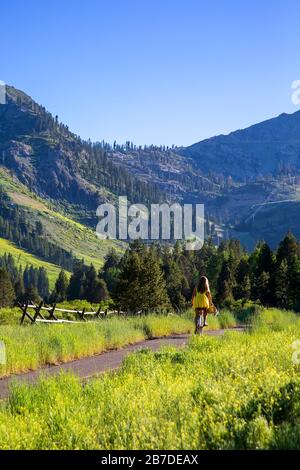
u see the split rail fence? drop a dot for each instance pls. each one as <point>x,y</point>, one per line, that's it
<point>42,313</point>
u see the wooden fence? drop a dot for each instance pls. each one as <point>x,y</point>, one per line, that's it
<point>42,313</point>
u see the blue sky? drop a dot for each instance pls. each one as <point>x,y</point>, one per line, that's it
<point>153,71</point>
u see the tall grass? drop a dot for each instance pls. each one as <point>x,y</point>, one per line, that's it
<point>274,319</point>
<point>240,391</point>
<point>29,347</point>
<point>32,346</point>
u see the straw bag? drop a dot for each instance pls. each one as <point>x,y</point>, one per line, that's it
<point>212,309</point>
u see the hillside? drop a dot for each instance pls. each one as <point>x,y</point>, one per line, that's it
<point>22,258</point>
<point>233,176</point>
<point>271,147</point>
<point>58,228</point>
<point>56,164</point>
<point>64,178</point>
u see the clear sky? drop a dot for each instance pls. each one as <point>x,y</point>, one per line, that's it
<point>153,71</point>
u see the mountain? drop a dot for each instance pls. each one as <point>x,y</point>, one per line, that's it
<point>56,164</point>
<point>248,180</point>
<point>248,175</point>
<point>269,148</point>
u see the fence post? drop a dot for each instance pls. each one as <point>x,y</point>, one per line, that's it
<point>38,312</point>
<point>98,314</point>
<point>82,314</point>
<point>25,313</point>
<point>52,313</point>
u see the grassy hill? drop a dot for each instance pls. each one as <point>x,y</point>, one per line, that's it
<point>23,258</point>
<point>58,228</point>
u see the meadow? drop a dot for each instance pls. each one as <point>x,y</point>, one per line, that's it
<point>238,391</point>
<point>29,347</point>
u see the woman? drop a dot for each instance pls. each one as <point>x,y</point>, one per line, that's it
<point>201,301</point>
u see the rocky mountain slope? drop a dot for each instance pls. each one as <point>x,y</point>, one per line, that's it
<point>268,148</point>
<point>57,164</point>
<point>237,177</point>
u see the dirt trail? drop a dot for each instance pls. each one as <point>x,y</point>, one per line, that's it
<point>90,366</point>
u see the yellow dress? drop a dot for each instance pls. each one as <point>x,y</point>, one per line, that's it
<point>201,300</point>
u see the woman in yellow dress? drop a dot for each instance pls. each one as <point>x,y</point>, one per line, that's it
<point>201,301</point>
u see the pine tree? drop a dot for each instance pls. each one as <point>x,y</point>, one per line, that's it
<point>128,288</point>
<point>95,289</point>
<point>43,283</point>
<point>99,292</point>
<point>294,283</point>
<point>77,282</point>
<point>142,285</point>
<point>176,283</point>
<point>31,294</point>
<point>282,285</point>
<point>288,248</point>
<point>19,289</point>
<point>226,283</point>
<point>7,293</point>
<point>242,288</point>
<point>152,286</point>
<point>61,287</point>
<point>261,288</point>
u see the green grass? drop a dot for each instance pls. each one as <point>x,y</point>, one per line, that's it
<point>32,346</point>
<point>240,391</point>
<point>22,258</point>
<point>274,319</point>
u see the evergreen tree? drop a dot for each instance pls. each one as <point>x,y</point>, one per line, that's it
<point>128,288</point>
<point>61,287</point>
<point>111,277</point>
<point>226,283</point>
<point>282,285</point>
<point>99,292</point>
<point>7,293</point>
<point>19,289</point>
<point>242,288</point>
<point>261,288</point>
<point>152,285</point>
<point>95,289</point>
<point>77,282</point>
<point>288,249</point>
<point>43,283</point>
<point>294,283</point>
<point>31,294</point>
<point>176,283</point>
<point>142,285</point>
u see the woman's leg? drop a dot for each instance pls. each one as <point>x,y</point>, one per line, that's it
<point>196,321</point>
<point>204,317</point>
<point>198,312</point>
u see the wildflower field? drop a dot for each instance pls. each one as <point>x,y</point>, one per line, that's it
<point>32,346</point>
<point>239,391</point>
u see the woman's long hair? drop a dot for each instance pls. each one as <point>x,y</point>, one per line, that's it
<point>203,285</point>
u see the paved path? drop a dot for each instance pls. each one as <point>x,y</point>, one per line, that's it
<point>90,366</point>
